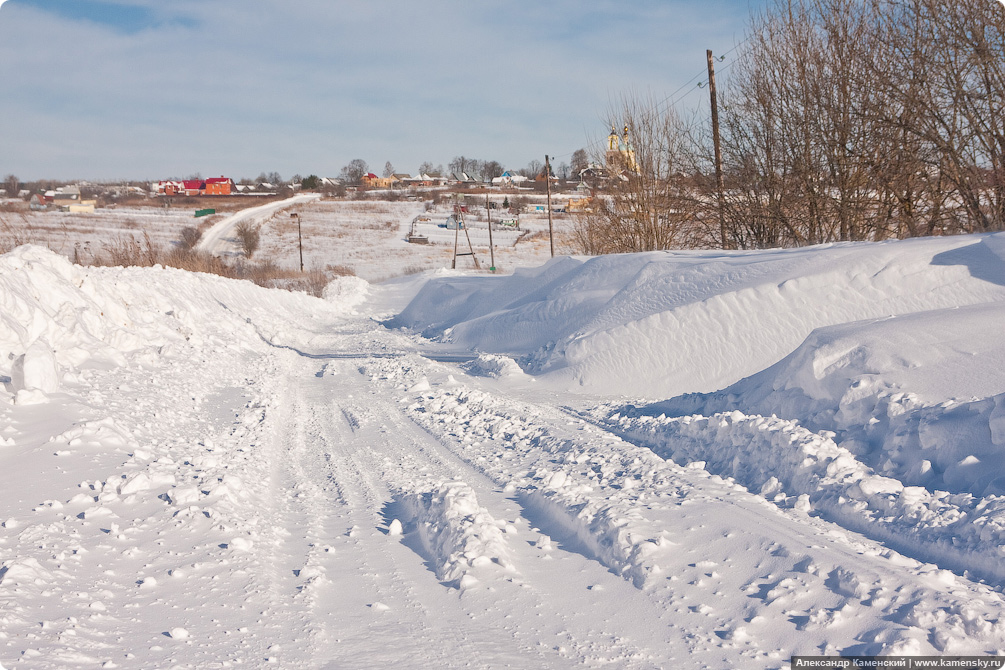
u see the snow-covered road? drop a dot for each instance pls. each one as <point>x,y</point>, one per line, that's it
<point>217,239</point>
<point>258,477</point>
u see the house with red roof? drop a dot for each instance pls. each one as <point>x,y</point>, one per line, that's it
<point>170,187</point>
<point>212,186</point>
<point>218,186</point>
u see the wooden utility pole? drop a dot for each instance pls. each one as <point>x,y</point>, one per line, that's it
<point>300,241</point>
<point>457,233</point>
<point>547,180</point>
<point>492,249</point>
<point>718,151</point>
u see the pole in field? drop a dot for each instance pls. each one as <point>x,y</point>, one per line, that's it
<point>547,180</point>
<point>300,240</point>
<point>492,249</point>
<point>718,150</point>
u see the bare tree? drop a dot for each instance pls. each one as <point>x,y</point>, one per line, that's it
<point>459,165</point>
<point>533,169</point>
<point>961,47</point>
<point>491,169</point>
<point>12,184</point>
<point>249,237</point>
<point>648,203</point>
<point>850,120</point>
<point>353,173</point>
<point>579,161</point>
<point>190,237</point>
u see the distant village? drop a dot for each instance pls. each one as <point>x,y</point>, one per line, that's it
<point>225,186</point>
<point>84,197</point>
<point>578,183</point>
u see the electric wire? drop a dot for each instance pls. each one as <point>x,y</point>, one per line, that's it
<point>686,89</point>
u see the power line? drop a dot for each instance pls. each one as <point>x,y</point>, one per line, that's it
<point>672,99</point>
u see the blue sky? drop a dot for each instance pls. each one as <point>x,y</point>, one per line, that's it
<point>137,89</point>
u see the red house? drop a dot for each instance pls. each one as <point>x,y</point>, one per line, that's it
<point>212,186</point>
<point>218,186</point>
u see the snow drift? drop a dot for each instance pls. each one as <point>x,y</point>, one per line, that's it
<point>919,397</point>
<point>662,324</point>
<point>57,318</point>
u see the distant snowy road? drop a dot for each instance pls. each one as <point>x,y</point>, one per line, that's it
<point>215,240</point>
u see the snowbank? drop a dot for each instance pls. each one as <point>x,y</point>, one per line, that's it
<point>810,472</point>
<point>222,475</point>
<point>456,532</point>
<point>919,397</point>
<point>347,292</point>
<point>57,319</point>
<point>663,324</point>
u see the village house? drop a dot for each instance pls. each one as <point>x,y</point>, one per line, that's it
<point>218,186</point>
<point>370,180</point>
<point>464,179</point>
<point>509,179</point>
<point>212,186</point>
<point>68,199</point>
<point>169,187</point>
<point>66,195</point>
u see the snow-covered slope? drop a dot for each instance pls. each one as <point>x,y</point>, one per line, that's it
<point>58,320</point>
<point>662,324</point>
<point>920,397</point>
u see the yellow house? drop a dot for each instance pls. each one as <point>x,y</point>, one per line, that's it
<point>371,180</point>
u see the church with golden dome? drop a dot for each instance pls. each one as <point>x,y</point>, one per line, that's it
<point>620,152</point>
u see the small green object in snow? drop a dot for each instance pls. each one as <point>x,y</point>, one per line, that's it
<point>204,212</point>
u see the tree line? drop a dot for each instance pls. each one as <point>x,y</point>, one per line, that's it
<point>840,120</point>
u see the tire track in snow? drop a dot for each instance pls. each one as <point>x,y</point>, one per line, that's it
<point>620,500</point>
<point>601,597</point>
<point>545,573</point>
<point>735,577</point>
<point>357,597</point>
<point>373,450</point>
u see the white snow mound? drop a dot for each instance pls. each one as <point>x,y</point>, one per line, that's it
<point>57,318</point>
<point>665,323</point>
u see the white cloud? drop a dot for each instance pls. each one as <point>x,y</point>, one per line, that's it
<point>306,86</point>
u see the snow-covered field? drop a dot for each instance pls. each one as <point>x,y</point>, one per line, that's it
<point>369,238</point>
<point>694,460</point>
<point>366,237</point>
<point>85,236</point>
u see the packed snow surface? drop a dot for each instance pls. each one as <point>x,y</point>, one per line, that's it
<point>696,460</point>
